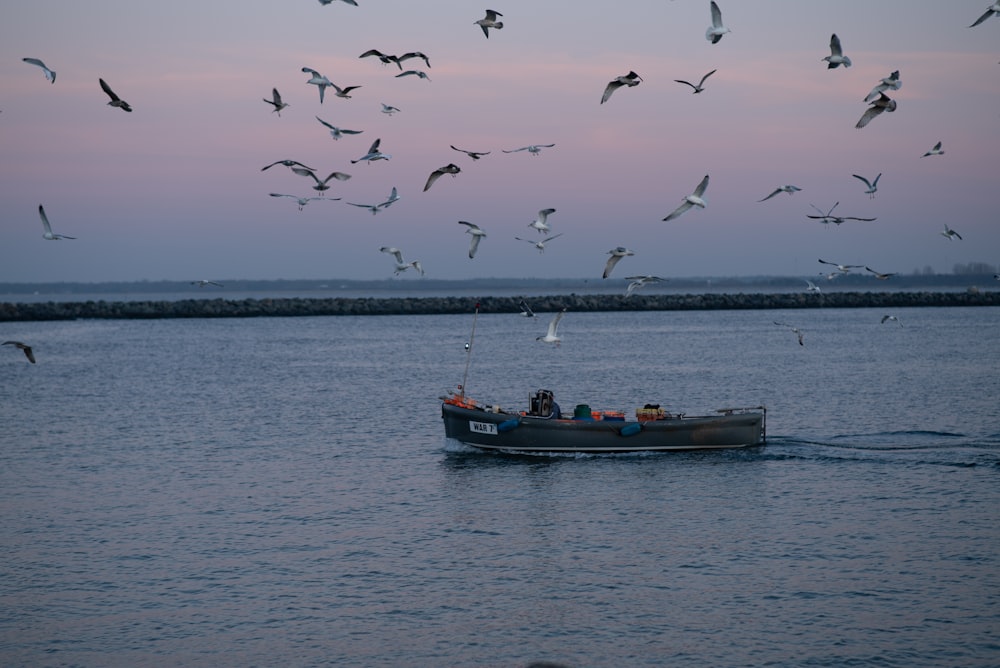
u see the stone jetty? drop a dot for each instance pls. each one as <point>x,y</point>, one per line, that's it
<point>289,307</point>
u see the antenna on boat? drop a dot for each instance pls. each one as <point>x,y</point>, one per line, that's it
<point>468,351</point>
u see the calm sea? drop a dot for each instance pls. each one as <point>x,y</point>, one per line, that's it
<point>275,491</point>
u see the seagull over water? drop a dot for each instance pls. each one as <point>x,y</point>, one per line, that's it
<point>887,318</point>
<point>336,132</point>
<point>812,287</point>
<point>890,82</point>
<point>617,254</point>
<point>715,31</point>
<point>302,201</point>
<point>526,310</point>
<point>843,268</point>
<point>993,10</point>
<point>115,100</point>
<point>275,101</point>
<point>489,21</point>
<point>631,79</point>
<point>701,84</point>
<point>477,234</point>
<point>638,282</point>
<point>552,336</point>
<point>795,330</point>
<point>450,168</point>
<point>872,185</point>
<point>880,276</point>
<point>26,349</point>
<point>401,265</point>
<point>540,245</point>
<point>49,74</point>
<point>202,283</point>
<point>48,233</point>
<point>533,149</point>
<point>950,234</point>
<point>828,217</point>
<point>880,104</point>
<point>782,189</point>
<point>937,150</point>
<point>324,184</point>
<point>373,153</point>
<point>540,223</point>
<point>694,199</point>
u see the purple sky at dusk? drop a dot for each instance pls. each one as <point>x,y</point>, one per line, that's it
<point>175,191</point>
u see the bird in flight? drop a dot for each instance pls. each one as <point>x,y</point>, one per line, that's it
<point>828,217</point>
<point>715,31</point>
<point>694,199</point>
<point>450,168</point>
<point>540,223</point>
<point>275,101</point>
<point>115,100</point>
<point>477,234</point>
<point>880,276</point>
<point>324,184</point>
<point>836,57</point>
<point>417,73</point>
<point>317,80</point>
<point>638,282</point>
<point>880,104</point>
<point>551,336</point>
<point>890,82</point>
<point>401,265</point>
<point>950,234</point>
<point>349,2</point>
<point>475,155</point>
<point>373,153</point>
<point>388,109</point>
<point>844,268</point>
<point>286,163</point>
<point>617,254</point>
<point>49,74</point>
<point>887,318</point>
<point>489,21</point>
<point>526,310</point>
<point>384,57</point>
<point>795,330</point>
<point>781,189</point>
<point>701,84</point>
<point>533,149</point>
<point>631,79</point>
<point>48,233</point>
<point>872,185</point>
<point>937,150</point>
<point>302,201</point>
<point>336,132</point>
<point>540,245</point>
<point>23,347</point>
<point>202,283</point>
<point>993,10</point>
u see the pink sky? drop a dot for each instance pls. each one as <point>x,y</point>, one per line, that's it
<point>174,190</point>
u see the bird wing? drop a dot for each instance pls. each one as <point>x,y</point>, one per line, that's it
<point>700,190</point>
<point>554,325</point>
<point>474,245</point>
<point>612,261</point>
<point>276,96</point>
<point>340,176</point>
<point>867,183</point>
<point>544,214</point>
<point>609,89</point>
<point>716,15</point>
<point>867,220</point>
<point>685,205</point>
<point>554,236</point>
<point>869,114</point>
<point>332,127</point>
<point>432,178</point>
<point>471,226</point>
<point>107,89</point>
<point>301,171</point>
<point>45,219</point>
<point>835,45</point>
<point>700,83</point>
<point>395,252</point>
<point>989,12</point>
<point>777,190</point>
<point>686,82</point>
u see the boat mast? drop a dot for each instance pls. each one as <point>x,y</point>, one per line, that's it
<point>468,350</point>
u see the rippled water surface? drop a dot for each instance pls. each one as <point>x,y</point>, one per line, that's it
<point>279,491</point>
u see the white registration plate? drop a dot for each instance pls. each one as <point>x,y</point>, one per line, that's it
<point>482,427</point>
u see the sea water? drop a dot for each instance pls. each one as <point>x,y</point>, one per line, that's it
<point>279,491</point>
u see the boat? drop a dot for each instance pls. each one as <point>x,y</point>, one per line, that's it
<point>543,429</point>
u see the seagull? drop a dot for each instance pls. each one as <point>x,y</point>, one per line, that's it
<point>336,132</point>
<point>26,348</point>
<point>631,79</point>
<point>616,254</point>
<point>937,150</point>
<point>302,201</point>
<point>373,153</point>
<point>639,282</point>
<point>828,217</point>
<point>951,234</point>
<point>701,84</point>
<point>490,21</point>
<point>327,2</point>
<point>890,82</point>
<point>477,234</point>
<point>526,310</point>
<point>115,100</point>
<point>812,287</point>
<point>48,234</point>
<point>533,149</point>
<point>539,222</point>
<point>795,330</point>
<point>391,199</point>
<point>286,163</point>
<point>890,317</point>
<point>418,73</point>
<point>475,155</point>
<point>993,10</point>
<point>321,185</point>
<point>872,185</point>
<point>880,276</point>
<point>781,189</point>
<point>551,336</point>
<point>716,30</point>
<point>202,283</point>
<point>275,101</point>
<point>844,268</point>
<point>450,168</point>
<point>540,245</point>
<point>49,74</point>
<point>318,80</point>
<point>401,266</point>
<point>836,56</point>
<point>415,54</point>
<point>385,58</point>
<point>882,103</point>
<point>694,199</point>
<point>388,109</point>
<point>375,208</point>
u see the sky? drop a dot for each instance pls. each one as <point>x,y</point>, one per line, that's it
<point>174,190</point>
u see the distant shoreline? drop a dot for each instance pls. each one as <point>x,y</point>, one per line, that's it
<point>298,307</point>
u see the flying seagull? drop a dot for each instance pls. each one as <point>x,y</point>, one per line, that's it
<point>49,74</point>
<point>812,287</point>
<point>880,276</point>
<point>373,153</point>
<point>286,163</point>
<point>375,208</point>
<point>328,2</point>
<point>540,223</point>
<point>48,234</point>
<point>384,57</point>
<point>886,318</point>
<point>415,54</point>
<point>526,310</point>
<point>844,268</point>
<point>890,82</point>
<point>318,80</point>
<point>275,101</point>
<point>490,21</point>
<point>475,155</point>
<point>828,217</point>
<point>880,104</point>
<point>950,234</point>
<point>993,10</point>
<point>694,199</point>
<point>336,132</point>
<point>388,109</point>
<point>795,330</point>
<point>540,245</point>
<point>477,234</point>
<point>836,57</point>
<point>616,254</point>
<point>631,79</point>
<point>781,189</point>
<point>202,283</point>
<point>321,185</point>
<point>639,282</point>
<point>872,185</point>
<point>115,100</point>
<point>551,335</point>
<point>302,201</point>
<point>701,84</point>
<point>26,348</point>
<point>401,265</point>
<point>418,73</point>
<point>937,150</point>
<point>533,149</point>
<point>450,168</point>
<point>715,31</point>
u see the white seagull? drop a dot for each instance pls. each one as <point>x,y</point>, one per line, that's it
<point>328,2</point>
<point>879,275</point>
<point>275,101</point>
<point>937,150</point>
<point>115,100</point>
<point>414,54</point>
<point>694,199</point>
<point>477,234</point>
<point>631,79</point>
<point>475,155</point>
<point>417,73</point>
<point>950,234</point>
<point>716,30</point>
<point>23,347</point>
<point>401,265</point>
<point>533,149</point>
<point>540,245</point>
<point>836,57</point>
<point>552,336</point>
<point>388,109</point>
<point>795,330</point>
<point>993,10</point>
<point>48,233</point>
<point>391,199</point>
<point>811,287</point>
<point>375,208</point>
<point>844,268</point>
<point>202,283</point>
<point>782,189</point>
<point>616,255</point>
<point>872,185</point>
<point>373,153</point>
<point>318,80</point>
<point>324,184</point>
<point>490,21</point>
<point>450,168</point>
<point>526,310</point>
<point>336,132</point>
<point>540,223</point>
<point>302,201</point>
<point>886,318</point>
<point>701,84</point>
<point>639,282</point>
<point>890,82</point>
<point>384,57</point>
<point>49,74</point>
<point>880,104</point>
<point>828,217</point>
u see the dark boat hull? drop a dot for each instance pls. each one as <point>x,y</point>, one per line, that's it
<point>511,432</point>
